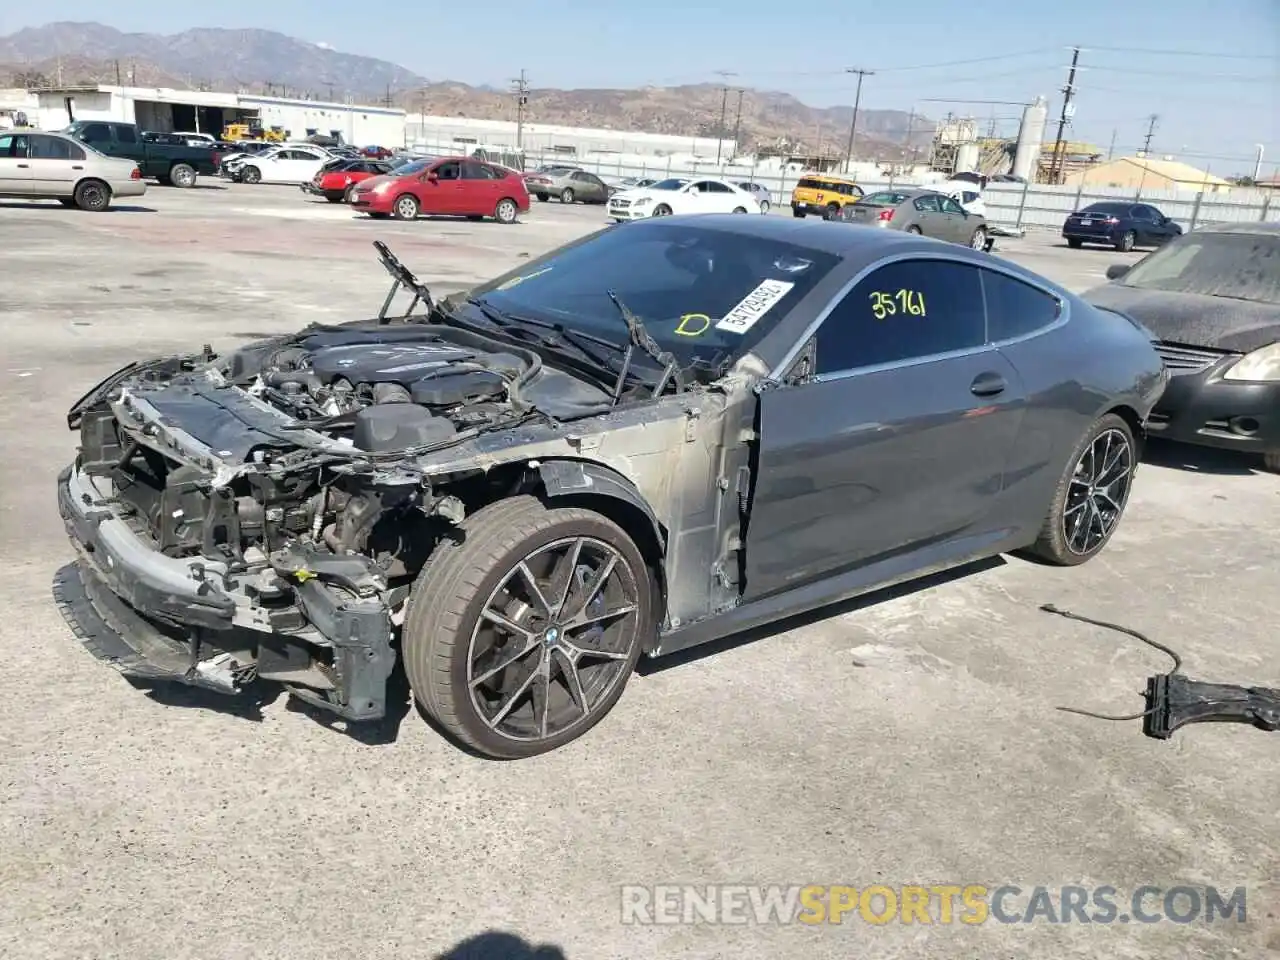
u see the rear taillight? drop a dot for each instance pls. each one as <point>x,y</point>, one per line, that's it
<point>885,215</point>
<point>135,174</point>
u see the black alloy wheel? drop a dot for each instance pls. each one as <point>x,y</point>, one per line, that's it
<point>1091,497</point>
<point>521,636</point>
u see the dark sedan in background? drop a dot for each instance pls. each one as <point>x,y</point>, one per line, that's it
<point>924,212</point>
<point>1212,300</point>
<point>1119,224</point>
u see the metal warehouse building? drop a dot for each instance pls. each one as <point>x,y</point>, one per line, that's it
<point>545,139</point>
<point>164,110</point>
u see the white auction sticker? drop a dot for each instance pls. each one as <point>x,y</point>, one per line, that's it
<point>754,306</point>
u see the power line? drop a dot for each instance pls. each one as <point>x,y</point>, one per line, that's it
<point>853,123</point>
<point>1222,77</point>
<point>1181,53</point>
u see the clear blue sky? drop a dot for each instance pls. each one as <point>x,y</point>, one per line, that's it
<point>1217,98</point>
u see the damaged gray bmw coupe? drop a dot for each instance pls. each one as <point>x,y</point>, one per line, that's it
<point>660,434</point>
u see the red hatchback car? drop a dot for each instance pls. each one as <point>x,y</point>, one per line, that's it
<point>338,181</point>
<point>451,186</point>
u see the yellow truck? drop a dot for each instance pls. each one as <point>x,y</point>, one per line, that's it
<point>234,132</point>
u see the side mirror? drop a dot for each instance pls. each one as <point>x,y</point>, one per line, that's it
<point>1117,270</point>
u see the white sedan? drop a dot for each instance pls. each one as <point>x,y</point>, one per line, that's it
<point>291,163</point>
<point>681,195</point>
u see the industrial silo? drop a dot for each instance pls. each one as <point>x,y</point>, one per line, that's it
<point>1026,155</point>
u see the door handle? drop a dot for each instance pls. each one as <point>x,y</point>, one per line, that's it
<point>987,385</point>
<point>23,166</point>
<point>76,166</point>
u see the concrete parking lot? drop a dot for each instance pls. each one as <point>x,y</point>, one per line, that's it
<point>906,739</point>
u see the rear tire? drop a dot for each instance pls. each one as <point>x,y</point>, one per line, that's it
<point>334,197</point>
<point>797,212</point>
<point>979,239</point>
<point>506,211</point>
<point>566,195</point>
<point>1091,496</point>
<point>1075,244</point>
<point>251,175</point>
<point>832,212</point>
<point>473,607</point>
<point>182,175</point>
<point>93,195</point>
<point>1128,240</point>
<point>916,230</point>
<point>542,197</point>
<point>739,209</point>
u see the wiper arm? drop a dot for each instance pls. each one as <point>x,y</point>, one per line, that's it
<point>640,338</point>
<point>573,337</point>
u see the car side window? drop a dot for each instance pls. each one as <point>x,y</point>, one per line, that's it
<point>1015,308</point>
<point>472,170</point>
<point>927,204</point>
<point>449,171</point>
<point>95,133</point>
<point>715,187</point>
<point>905,310</point>
<point>49,148</point>
<point>11,146</point>
<point>950,206</point>
<point>126,134</point>
<point>701,186</point>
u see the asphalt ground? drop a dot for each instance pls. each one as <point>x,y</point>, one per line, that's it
<point>906,739</point>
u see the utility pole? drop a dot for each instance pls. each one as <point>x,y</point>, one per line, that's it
<point>118,73</point>
<point>1112,149</point>
<point>520,87</point>
<point>724,76</point>
<point>737,125</point>
<point>853,124</point>
<point>1068,92</point>
<point>1151,132</point>
<point>388,100</point>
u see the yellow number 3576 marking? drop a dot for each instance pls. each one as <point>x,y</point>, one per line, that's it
<point>908,302</point>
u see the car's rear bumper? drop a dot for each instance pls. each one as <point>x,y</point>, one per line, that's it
<point>129,188</point>
<point>1085,235</point>
<point>192,620</point>
<point>1202,408</point>
<point>817,209</point>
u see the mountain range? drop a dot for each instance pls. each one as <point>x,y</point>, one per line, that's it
<point>262,61</point>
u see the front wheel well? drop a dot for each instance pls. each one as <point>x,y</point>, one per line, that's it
<point>1130,416</point>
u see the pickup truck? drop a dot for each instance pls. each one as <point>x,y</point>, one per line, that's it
<point>169,163</point>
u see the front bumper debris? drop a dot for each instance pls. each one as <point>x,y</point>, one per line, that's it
<point>194,621</point>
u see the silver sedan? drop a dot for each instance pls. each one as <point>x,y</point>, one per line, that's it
<point>35,165</point>
<point>758,191</point>
<point>920,211</point>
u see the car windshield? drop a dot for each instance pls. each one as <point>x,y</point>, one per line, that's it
<point>707,295</point>
<point>672,184</point>
<point>1242,266</point>
<point>412,167</point>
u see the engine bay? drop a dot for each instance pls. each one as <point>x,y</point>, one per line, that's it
<point>389,392</point>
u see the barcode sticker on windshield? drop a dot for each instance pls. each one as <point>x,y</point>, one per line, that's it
<point>754,306</point>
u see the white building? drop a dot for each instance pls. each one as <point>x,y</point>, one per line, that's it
<point>163,110</point>
<point>446,134</point>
